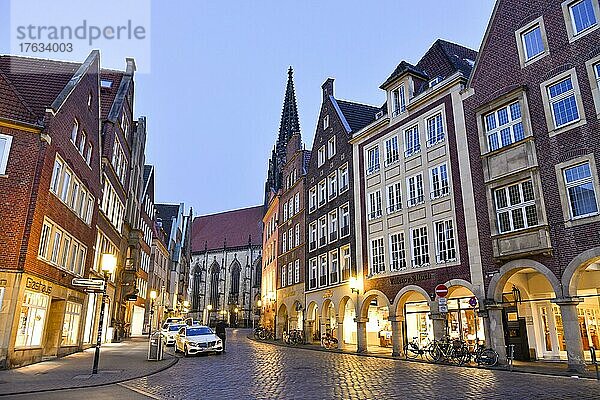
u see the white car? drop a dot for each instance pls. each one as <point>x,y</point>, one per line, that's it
<point>169,332</point>
<point>197,339</point>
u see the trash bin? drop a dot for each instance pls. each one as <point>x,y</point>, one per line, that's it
<point>155,347</point>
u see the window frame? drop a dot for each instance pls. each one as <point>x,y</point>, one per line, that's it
<point>397,263</point>
<point>392,152</point>
<point>373,160</point>
<point>520,36</point>
<point>570,20</point>
<point>509,208</point>
<point>321,156</point>
<point>553,129</point>
<point>343,171</point>
<point>376,266</point>
<point>331,148</point>
<point>6,153</point>
<point>438,138</point>
<point>396,195</point>
<point>375,205</point>
<point>445,244</point>
<point>442,191</point>
<point>424,247</point>
<point>412,141</point>
<point>420,198</point>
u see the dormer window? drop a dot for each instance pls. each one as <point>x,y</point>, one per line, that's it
<point>398,101</point>
<point>106,84</point>
<point>435,81</point>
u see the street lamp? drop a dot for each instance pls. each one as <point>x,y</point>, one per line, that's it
<point>355,287</point>
<point>209,308</point>
<point>108,263</point>
<point>153,295</point>
<point>259,305</point>
<point>273,297</point>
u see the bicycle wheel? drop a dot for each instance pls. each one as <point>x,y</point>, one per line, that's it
<point>435,353</point>
<point>488,357</point>
<point>411,351</point>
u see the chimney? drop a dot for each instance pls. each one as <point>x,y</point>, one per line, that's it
<point>327,88</point>
<point>130,66</point>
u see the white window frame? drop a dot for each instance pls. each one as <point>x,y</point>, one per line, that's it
<point>297,235</point>
<point>332,221</point>
<point>421,257</point>
<point>283,275</point>
<point>445,241</point>
<point>297,271</point>
<point>343,178</point>
<point>312,199</point>
<point>419,193</point>
<point>397,251</point>
<point>579,182</point>
<point>438,186</point>
<point>375,205</point>
<point>394,197</point>
<point>495,133</point>
<point>290,278</point>
<point>321,156</point>
<point>434,137</point>
<point>412,141</point>
<point>322,193</point>
<point>524,58</point>
<point>74,132</point>
<point>345,263</point>
<point>344,212</point>
<point>510,208</point>
<point>5,154</point>
<point>322,231</point>
<point>331,147</point>
<point>373,164</point>
<point>558,98</point>
<point>332,183</point>
<point>334,266</point>
<point>326,122</point>
<point>392,153</point>
<point>313,273</point>
<point>377,256</point>
<point>313,235</point>
<point>323,270</point>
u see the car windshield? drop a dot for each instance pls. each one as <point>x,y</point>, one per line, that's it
<point>174,328</point>
<point>199,331</point>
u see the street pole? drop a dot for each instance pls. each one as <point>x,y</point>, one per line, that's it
<point>151,314</point>
<point>100,326</point>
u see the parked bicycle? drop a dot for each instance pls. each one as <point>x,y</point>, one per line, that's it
<point>294,337</point>
<point>450,351</point>
<point>263,333</point>
<point>484,356</point>
<point>414,350</point>
<point>328,341</point>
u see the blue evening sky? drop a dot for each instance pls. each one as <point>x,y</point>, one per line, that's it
<point>214,93</point>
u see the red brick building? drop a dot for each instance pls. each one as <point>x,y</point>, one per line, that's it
<point>532,110</point>
<point>50,185</point>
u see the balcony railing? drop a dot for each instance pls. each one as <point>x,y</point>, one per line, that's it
<point>411,152</point>
<point>375,214</point>
<point>394,208</point>
<point>344,187</point>
<point>444,191</point>
<point>415,201</point>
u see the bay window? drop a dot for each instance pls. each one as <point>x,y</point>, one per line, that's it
<point>504,126</point>
<point>515,207</point>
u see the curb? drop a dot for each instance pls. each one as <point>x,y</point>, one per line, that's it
<point>164,367</point>
<point>380,356</point>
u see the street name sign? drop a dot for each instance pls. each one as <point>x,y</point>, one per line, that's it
<point>91,283</point>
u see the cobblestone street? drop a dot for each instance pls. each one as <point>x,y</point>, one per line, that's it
<point>251,370</point>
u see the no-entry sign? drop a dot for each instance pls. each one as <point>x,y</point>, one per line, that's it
<point>441,290</point>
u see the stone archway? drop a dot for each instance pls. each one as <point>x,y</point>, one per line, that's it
<point>412,307</point>
<point>282,320</point>
<point>572,274</point>
<point>499,280</point>
<point>297,316</point>
<point>374,325</point>
<point>329,318</point>
<point>346,322</point>
<point>311,329</point>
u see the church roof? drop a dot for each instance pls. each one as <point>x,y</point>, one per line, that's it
<point>233,227</point>
<point>289,114</point>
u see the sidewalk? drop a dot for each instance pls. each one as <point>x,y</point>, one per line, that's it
<point>118,362</point>
<point>534,367</point>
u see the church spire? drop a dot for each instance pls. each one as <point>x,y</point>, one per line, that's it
<point>289,116</point>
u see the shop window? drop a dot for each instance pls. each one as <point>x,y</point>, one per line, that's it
<point>71,324</point>
<point>31,320</point>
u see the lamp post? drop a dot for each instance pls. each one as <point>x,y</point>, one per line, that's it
<point>209,308</point>
<point>153,295</point>
<point>108,262</point>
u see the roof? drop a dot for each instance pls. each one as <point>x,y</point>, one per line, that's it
<point>12,105</point>
<point>235,227</point>
<point>357,115</point>
<point>38,81</point>
<point>108,94</point>
<point>166,212</point>
<point>443,59</point>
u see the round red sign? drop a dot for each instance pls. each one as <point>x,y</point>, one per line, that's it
<point>441,290</point>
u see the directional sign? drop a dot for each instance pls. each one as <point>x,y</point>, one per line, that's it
<point>87,282</point>
<point>441,290</point>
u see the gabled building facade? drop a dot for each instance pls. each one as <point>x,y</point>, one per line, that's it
<point>414,205</point>
<point>226,266</point>
<point>532,111</point>
<point>330,230</point>
<point>50,181</point>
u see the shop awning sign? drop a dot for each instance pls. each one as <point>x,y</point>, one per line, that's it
<point>441,290</point>
<point>88,283</point>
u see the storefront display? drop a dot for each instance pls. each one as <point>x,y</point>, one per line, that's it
<point>32,319</point>
<point>417,324</point>
<point>71,324</point>
<point>462,321</point>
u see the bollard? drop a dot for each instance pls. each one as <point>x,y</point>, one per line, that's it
<point>595,361</point>
<point>511,356</point>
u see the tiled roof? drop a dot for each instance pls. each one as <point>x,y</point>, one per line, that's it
<point>108,94</point>
<point>401,69</point>
<point>12,106</point>
<point>358,115</point>
<point>38,81</point>
<point>233,226</point>
<point>166,212</point>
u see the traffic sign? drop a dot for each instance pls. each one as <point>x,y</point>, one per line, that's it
<point>88,282</point>
<point>473,301</point>
<point>441,290</point>
<point>443,301</point>
<point>443,308</point>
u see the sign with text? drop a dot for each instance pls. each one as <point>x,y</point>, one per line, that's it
<point>441,290</point>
